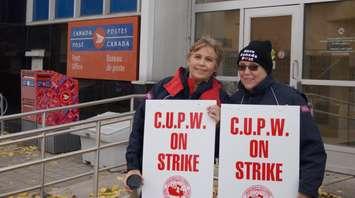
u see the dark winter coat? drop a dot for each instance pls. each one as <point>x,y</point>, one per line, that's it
<point>175,87</point>
<point>312,153</point>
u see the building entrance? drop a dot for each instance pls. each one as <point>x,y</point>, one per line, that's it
<point>280,25</point>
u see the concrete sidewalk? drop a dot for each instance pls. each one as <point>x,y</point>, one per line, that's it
<point>338,185</point>
<point>54,170</point>
<point>335,185</point>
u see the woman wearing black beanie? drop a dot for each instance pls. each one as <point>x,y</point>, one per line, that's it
<point>257,86</point>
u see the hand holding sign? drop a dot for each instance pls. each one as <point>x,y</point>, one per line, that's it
<point>214,112</point>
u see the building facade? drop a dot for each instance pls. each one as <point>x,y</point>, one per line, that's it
<point>313,43</point>
<point>313,48</point>
<point>12,49</point>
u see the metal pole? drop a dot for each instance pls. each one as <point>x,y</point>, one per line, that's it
<point>96,166</point>
<point>2,113</point>
<point>43,146</point>
<point>348,124</point>
<point>131,104</point>
<point>44,119</point>
<point>139,6</point>
<point>131,109</point>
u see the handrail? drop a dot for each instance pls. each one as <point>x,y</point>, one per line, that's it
<point>333,114</point>
<point>52,129</point>
<point>3,109</point>
<point>85,104</point>
<point>330,98</point>
<point>44,132</point>
<point>335,100</point>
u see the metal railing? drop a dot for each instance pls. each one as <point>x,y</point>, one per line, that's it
<point>3,108</point>
<point>333,101</point>
<point>45,132</point>
<point>341,115</point>
<point>310,94</point>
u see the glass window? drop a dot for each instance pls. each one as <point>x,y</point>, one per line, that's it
<point>329,41</point>
<point>334,112</point>
<point>267,28</point>
<point>209,1</point>
<point>40,10</point>
<point>123,6</point>
<point>52,38</point>
<point>12,47</point>
<point>91,7</point>
<point>64,8</point>
<point>224,27</point>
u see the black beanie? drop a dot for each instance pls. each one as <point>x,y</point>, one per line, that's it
<point>259,52</point>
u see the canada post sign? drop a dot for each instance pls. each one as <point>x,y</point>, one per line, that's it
<point>103,49</point>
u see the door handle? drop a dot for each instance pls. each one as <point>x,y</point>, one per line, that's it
<point>295,72</point>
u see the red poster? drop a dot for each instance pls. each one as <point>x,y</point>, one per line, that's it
<point>103,48</point>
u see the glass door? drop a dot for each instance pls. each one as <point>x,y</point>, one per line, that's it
<point>282,26</point>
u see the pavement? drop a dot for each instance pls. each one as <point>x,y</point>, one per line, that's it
<point>338,185</point>
<point>110,182</point>
<point>335,185</point>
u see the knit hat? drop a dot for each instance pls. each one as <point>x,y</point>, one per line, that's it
<point>259,52</point>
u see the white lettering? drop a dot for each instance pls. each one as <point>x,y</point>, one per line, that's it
<point>113,59</point>
<point>115,68</point>
<point>75,58</point>
<point>118,44</point>
<point>77,44</point>
<point>77,66</point>
<point>117,31</point>
<point>79,33</point>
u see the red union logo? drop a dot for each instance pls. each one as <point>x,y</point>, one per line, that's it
<point>257,191</point>
<point>176,187</point>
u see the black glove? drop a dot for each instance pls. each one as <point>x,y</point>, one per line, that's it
<point>134,182</point>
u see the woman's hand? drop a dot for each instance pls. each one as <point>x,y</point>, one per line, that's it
<point>130,173</point>
<point>214,112</point>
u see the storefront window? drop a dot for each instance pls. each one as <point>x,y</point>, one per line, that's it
<point>329,41</point>
<point>40,10</point>
<point>123,6</point>
<point>267,28</point>
<point>334,112</point>
<point>91,7</point>
<point>223,26</point>
<point>209,1</point>
<point>53,39</point>
<point>64,8</point>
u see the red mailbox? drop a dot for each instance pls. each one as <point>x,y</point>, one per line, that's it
<point>44,89</point>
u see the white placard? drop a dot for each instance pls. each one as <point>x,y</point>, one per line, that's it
<point>259,151</point>
<point>178,151</point>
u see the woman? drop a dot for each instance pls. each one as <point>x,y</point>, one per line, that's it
<point>195,83</point>
<point>257,87</point>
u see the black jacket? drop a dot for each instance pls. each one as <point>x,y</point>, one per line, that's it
<point>174,87</point>
<point>312,153</point>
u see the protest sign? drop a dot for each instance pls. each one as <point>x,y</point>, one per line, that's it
<point>178,151</point>
<point>259,151</point>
